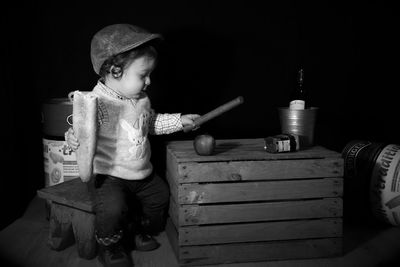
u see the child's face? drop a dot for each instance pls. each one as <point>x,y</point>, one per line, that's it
<point>136,77</point>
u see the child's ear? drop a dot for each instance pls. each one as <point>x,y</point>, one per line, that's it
<point>116,71</point>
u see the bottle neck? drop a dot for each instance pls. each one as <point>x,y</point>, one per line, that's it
<point>298,99</point>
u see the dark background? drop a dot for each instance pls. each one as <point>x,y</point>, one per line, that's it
<point>212,53</point>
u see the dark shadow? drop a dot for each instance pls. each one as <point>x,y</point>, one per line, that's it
<point>359,229</point>
<point>194,72</point>
<point>195,69</point>
<point>360,225</point>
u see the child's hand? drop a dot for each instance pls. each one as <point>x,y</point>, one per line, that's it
<point>71,139</point>
<point>188,120</point>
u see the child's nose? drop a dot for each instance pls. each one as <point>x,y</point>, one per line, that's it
<point>147,81</point>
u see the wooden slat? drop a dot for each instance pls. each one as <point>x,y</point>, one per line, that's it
<point>73,193</point>
<point>173,212</point>
<point>268,251</point>
<point>173,186</point>
<point>263,231</point>
<point>172,235</point>
<point>242,149</point>
<point>259,170</point>
<point>172,167</point>
<point>254,212</point>
<point>254,251</point>
<point>256,191</point>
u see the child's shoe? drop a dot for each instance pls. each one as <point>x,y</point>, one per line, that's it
<point>145,242</point>
<point>114,256</point>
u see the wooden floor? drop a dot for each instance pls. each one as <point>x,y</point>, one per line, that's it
<point>23,243</point>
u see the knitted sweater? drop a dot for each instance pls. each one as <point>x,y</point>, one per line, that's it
<point>123,149</point>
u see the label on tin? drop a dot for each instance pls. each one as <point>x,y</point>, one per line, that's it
<point>385,185</point>
<point>59,162</point>
<point>283,145</point>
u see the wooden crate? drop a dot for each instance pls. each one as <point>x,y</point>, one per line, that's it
<point>244,204</point>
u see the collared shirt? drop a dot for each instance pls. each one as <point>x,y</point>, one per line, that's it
<point>160,123</point>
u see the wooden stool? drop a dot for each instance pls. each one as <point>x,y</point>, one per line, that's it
<point>71,217</point>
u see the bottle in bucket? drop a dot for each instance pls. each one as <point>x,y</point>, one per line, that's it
<point>282,143</point>
<point>298,99</point>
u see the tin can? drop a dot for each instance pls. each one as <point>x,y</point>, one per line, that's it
<point>60,162</point>
<point>282,143</point>
<point>372,172</point>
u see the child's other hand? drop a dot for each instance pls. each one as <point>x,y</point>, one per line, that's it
<point>188,120</point>
<point>71,139</point>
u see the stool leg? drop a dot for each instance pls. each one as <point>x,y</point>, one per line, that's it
<point>47,208</point>
<point>60,234</point>
<point>83,227</point>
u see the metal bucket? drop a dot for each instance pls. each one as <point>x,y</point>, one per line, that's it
<point>299,122</point>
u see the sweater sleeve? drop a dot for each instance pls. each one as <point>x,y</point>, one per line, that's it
<point>165,123</point>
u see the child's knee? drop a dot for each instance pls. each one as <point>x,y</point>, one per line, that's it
<point>164,196</point>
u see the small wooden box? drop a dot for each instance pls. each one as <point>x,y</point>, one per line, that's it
<point>244,204</point>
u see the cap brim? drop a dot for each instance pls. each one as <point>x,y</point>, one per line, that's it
<point>143,40</point>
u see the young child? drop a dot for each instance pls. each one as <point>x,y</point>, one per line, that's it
<point>124,58</point>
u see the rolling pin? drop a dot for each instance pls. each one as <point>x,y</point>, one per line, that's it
<point>214,113</point>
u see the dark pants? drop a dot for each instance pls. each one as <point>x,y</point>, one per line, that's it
<point>118,201</point>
